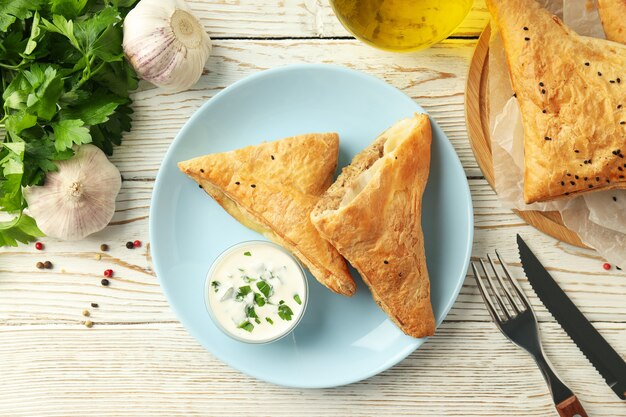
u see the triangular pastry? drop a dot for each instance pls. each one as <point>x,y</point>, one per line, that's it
<point>372,215</point>
<point>572,95</point>
<point>613,15</point>
<point>272,188</point>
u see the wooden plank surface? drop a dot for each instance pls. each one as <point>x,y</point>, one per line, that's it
<point>62,370</point>
<point>138,360</point>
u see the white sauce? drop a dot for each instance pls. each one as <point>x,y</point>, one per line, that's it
<point>252,279</point>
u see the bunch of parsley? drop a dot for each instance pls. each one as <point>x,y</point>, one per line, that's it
<point>64,82</point>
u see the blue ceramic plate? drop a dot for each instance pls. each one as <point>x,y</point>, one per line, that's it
<point>339,340</point>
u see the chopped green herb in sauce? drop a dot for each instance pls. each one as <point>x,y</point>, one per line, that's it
<point>259,300</point>
<point>247,326</point>
<point>243,291</point>
<point>247,254</point>
<point>284,312</point>
<point>265,288</point>
<point>215,285</point>
<point>250,312</point>
<point>270,321</point>
<point>297,298</point>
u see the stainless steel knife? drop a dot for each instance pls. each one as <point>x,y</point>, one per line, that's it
<point>597,350</point>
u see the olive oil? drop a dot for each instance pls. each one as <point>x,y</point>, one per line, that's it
<point>401,25</point>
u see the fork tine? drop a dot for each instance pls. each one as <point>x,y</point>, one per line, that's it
<point>496,294</point>
<point>506,289</point>
<point>486,297</point>
<point>518,289</point>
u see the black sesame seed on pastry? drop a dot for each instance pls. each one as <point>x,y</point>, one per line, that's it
<point>572,94</point>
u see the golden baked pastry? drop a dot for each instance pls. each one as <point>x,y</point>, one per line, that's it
<point>372,215</point>
<point>572,94</point>
<point>613,15</point>
<point>271,188</point>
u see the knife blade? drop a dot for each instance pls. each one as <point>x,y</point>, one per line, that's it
<point>597,350</point>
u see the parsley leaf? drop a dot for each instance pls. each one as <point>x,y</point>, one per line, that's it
<point>21,229</point>
<point>247,326</point>
<point>242,292</point>
<point>16,9</point>
<point>70,132</point>
<point>250,312</point>
<point>284,312</point>
<point>259,300</point>
<point>265,288</point>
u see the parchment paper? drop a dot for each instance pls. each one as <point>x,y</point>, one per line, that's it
<point>599,218</point>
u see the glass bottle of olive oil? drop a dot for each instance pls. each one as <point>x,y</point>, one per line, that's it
<point>401,25</point>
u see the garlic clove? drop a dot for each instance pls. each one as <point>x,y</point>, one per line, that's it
<point>166,43</point>
<point>79,198</point>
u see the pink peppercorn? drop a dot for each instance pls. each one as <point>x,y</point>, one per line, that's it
<point>606,266</point>
<point>108,273</point>
<point>137,243</point>
<point>38,245</point>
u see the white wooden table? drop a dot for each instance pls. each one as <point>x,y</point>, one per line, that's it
<point>138,360</point>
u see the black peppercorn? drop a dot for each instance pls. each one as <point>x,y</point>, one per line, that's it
<point>105,282</point>
<point>39,265</point>
<point>47,265</point>
<point>104,247</point>
<point>237,182</point>
<point>586,64</point>
<point>253,185</point>
<point>95,305</point>
<point>129,245</point>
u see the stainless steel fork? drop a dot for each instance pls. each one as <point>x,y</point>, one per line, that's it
<point>512,313</point>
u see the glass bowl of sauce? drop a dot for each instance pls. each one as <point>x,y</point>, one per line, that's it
<point>401,25</point>
<point>256,292</point>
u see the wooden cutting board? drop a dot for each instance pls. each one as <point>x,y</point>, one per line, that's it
<point>477,117</point>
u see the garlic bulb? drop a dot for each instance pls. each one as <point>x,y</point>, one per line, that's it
<point>165,43</point>
<point>79,198</point>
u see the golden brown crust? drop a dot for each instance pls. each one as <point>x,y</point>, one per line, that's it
<point>272,188</point>
<point>613,15</point>
<point>572,95</point>
<point>379,231</point>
